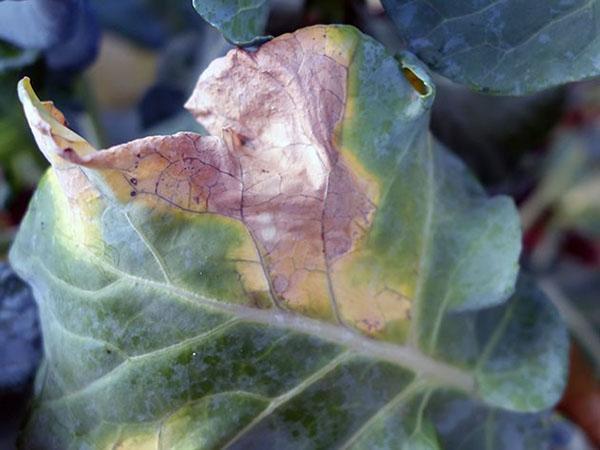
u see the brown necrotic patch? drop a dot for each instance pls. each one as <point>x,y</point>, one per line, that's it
<point>271,163</point>
<point>300,201</point>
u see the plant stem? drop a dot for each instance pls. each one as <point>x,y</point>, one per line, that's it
<point>576,322</point>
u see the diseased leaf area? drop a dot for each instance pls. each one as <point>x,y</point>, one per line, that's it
<point>503,46</point>
<point>242,22</point>
<point>317,273</point>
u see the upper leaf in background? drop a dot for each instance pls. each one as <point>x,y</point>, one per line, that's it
<point>149,23</point>
<point>503,46</point>
<point>315,273</point>
<point>134,19</point>
<point>37,24</point>
<point>66,30</point>
<point>242,22</point>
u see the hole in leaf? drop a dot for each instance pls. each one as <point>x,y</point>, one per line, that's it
<point>415,81</point>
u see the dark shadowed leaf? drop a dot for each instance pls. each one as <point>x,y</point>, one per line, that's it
<point>503,46</point>
<point>65,29</point>
<point>37,24</point>
<point>493,133</point>
<point>20,348</point>
<point>241,22</point>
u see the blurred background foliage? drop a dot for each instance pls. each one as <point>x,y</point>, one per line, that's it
<point>122,69</point>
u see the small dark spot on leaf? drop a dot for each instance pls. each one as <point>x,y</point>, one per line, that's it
<point>133,193</point>
<point>133,181</point>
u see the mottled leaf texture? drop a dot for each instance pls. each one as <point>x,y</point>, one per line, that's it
<point>242,22</point>
<point>503,46</point>
<point>317,273</point>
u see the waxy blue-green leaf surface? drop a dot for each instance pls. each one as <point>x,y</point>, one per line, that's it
<point>242,22</point>
<point>503,46</point>
<point>174,322</point>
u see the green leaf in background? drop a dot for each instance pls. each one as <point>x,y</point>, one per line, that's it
<point>467,122</point>
<point>569,185</point>
<point>317,273</point>
<point>574,290</point>
<point>21,165</point>
<point>242,22</point>
<point>503,46</point>
<point>19,159</point>
<point>12,58</point>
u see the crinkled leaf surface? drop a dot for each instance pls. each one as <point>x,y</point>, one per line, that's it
<point>313,274</point>
<point>242,22</point>
<point>504,46</point>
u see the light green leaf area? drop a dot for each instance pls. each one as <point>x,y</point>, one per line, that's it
<point>242,22</point>
<point>175,323</point>
<point>503,46</point>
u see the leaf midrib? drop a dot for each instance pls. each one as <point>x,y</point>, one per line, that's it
<point>406,356</point>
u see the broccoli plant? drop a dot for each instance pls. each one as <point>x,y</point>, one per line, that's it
<point>315,272</point>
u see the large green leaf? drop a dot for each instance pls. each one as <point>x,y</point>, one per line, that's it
<point>242,22</point>
<point>319,272</point>
<point>503,46</point>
